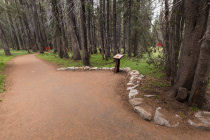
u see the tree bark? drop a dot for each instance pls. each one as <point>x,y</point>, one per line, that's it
<point>72,24</point>
<point>115,27</point>
<point>85,54</point>
<point>108,31</point>
<point>195,21</point>
<point>59,33</point>
<point>4,41</point>
<point>129,29</point>
<point>200,82</point>
<point>102,28</point>
<point>166,40</point>
<point>175,38</point>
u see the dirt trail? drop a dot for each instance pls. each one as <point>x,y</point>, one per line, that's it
<point>42,103</point>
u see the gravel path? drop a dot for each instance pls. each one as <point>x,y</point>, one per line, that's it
<point>44,104</point>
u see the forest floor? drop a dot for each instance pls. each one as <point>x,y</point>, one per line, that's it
<point>43,103</point>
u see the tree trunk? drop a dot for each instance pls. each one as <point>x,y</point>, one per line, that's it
<point>166,40</point>
<point>129,29</point>
<point>12,30</point>
<point>115,27</point>
<point>200,82</point>
<point>85,54</point>
<point>108,32</point>
<point>72,24</point>
<point>102,28</point>
<point>175,38</point>
<point>195,22</point>
<point>4,41</point>
<point>59,33</point>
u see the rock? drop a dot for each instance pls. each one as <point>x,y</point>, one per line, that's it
<point>199,125</point>
<point>177,116</point>
<point>130,84</point>
<point>148,96</point>
<point>61,69</point>
<point>140,77</point>
<point>105,68</point>
<point>203,117</point>
<point>182,94</point>
<point>136,101</point>
<point>76,68</point>
<point>134,72</point>
<point>70,68</point>
<point>158,118</point>
<point>133,93</point>
<point>126,69</point>
<point>133,77</point>
<point>94,68</point>
<point>130,88</point>
<point>86,68</point>
<point>143,113</point>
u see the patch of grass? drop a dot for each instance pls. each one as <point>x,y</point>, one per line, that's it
<point>194,109</point>
<point>3,60</point>
<point>96,61</point>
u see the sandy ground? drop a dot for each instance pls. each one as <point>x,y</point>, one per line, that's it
<point>44,104</point>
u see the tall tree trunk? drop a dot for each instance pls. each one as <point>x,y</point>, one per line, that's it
<point>115,26</point>
<point>200,82</point>
<point>94,30</point>
<point>166,39</point>
<point>108,31</point>
<point>4,41</point>
<point>129,29</point>
<point>85,54</point>
<point>59,33</point>
<point>39,39</point>
<point>72,24</point>
<point>26,23</point>
<point>175,38</point>
<point>196,18</point>
<point>102,28</point>
<point>12,30</point>
<point>89,21</point>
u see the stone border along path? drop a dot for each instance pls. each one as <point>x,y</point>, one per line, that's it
<point>202,117</point>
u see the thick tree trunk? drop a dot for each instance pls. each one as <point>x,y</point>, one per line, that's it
<point>85,54</point>
<point>196,17</point>
<point>175,38</point>
<point>200,82</point>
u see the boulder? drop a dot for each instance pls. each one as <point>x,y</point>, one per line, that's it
<point>143,113</point>
<point>133,93</point>
<point>158,118</point>
<point>136,101</point>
